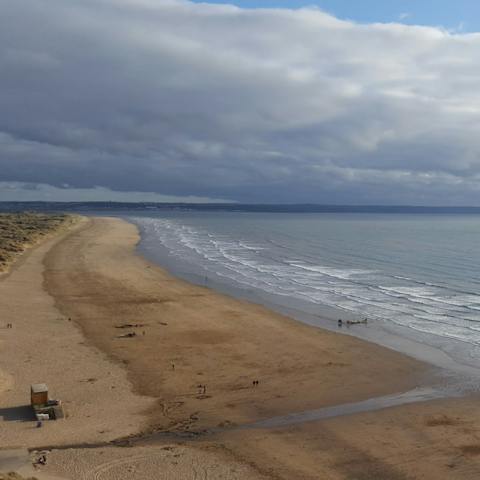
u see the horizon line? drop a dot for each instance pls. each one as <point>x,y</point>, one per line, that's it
<point>239,204</point>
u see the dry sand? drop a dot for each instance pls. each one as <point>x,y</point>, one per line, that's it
<point>166,462</point>
<point>45,347</point>
<point>194,336</point>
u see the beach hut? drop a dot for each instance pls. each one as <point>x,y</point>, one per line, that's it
<point>39,394</point>
<point>44,407</point>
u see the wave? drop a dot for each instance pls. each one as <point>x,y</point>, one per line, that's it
<point>280,267</point>
<point>344,274</point>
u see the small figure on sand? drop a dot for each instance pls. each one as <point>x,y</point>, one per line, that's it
<point>255,383</point>
<point>340,322</point>
<point>173,366</point>
<point>128,335</point>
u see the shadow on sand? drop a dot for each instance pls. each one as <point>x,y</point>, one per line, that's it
<point>22,413</point>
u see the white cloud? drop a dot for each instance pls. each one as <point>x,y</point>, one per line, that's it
<point>251,105</point>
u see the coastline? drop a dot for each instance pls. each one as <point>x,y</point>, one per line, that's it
<point>95,277</point>
<point>378,331</point>
<point>247,340</point>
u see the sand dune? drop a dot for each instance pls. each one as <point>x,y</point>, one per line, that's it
<point>19,231</point>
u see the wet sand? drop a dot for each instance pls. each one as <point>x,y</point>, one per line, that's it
<point>187,336</point>
<point>438,440</point>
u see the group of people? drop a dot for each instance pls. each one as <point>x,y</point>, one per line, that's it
<point>9,325</point>
<point>352,322</point>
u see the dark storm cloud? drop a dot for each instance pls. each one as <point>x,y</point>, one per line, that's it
<point>248,105</point>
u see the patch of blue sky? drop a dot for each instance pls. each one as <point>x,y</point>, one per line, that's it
<point>457,16</point>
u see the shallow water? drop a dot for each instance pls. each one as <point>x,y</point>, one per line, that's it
<point>377,403</point>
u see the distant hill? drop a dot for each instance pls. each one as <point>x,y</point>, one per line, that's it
<point>230,207</point>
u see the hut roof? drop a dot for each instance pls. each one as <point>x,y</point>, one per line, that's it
<point>39,388</point>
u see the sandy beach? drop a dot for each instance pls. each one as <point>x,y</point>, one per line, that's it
<point>44,346</point>
<point>133,351</point>
<point>190,336</point>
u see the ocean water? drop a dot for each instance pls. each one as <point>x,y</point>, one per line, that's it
<point>413,276</point>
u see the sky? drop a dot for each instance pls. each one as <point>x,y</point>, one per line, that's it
<point>171,100</point>
<point>455,15</point>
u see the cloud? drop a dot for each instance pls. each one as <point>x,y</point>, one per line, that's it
<point>215,101</point>
<point>404,16</point>
<point>28,192</point>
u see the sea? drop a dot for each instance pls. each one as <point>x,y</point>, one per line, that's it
<point>414,275</point>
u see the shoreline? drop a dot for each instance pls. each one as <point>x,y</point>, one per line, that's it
<point>95,276</point>
<point>376,333</point>
<point>193,291</point>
